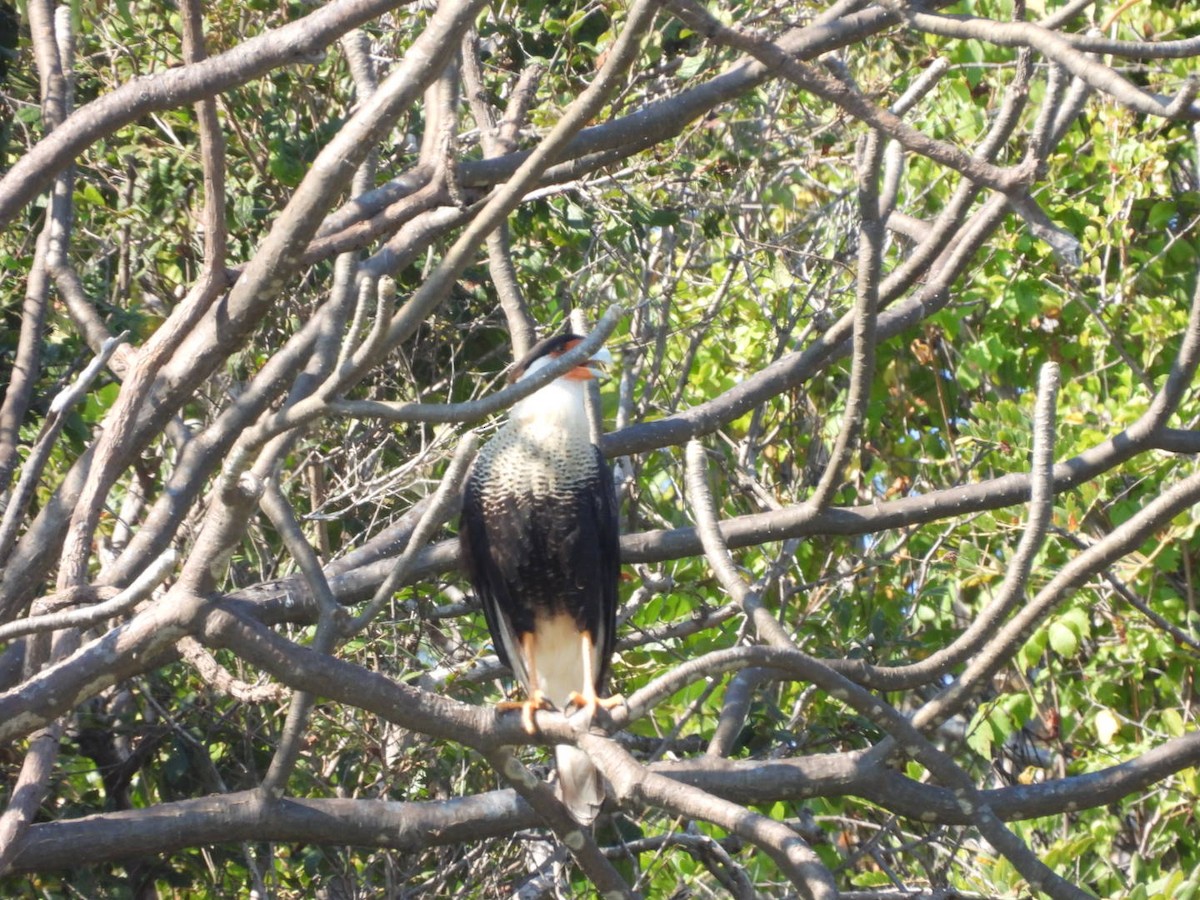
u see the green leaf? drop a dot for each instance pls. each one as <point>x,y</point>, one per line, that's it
<point>1063,640</point>
<point>981,736</point>
<point>691,66</point>
<point>1173,722</point>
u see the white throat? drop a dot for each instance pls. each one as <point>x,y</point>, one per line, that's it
<point>560,406</point>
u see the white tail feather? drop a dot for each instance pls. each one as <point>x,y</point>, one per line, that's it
<point>579,783</point>
<point>559,670</point>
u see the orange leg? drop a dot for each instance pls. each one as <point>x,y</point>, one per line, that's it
<point>588,699</point>
<point>528,708</point>
<point>537,700</point>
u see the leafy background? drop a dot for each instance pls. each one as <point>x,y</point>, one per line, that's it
<point>732,244</point>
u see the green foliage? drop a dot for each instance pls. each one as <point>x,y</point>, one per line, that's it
<point>732,246</point>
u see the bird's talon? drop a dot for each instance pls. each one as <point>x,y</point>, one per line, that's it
<point>531,706</point>
<point>582,701</point>
<point>527,708</point>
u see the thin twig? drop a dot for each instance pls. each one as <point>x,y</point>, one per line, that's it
<point>866,310</point>
<point>470,411</point>
<point>1123,539</point>
<point>765,625</point>
<point>443,506</point>
<point>1041,506</point>
<point>39,455</point>
<point>82,618</point>
<point>577,839</point>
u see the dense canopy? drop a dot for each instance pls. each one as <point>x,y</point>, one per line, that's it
<point>903,298</point>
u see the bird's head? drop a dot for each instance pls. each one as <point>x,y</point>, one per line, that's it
<point>546,351</point>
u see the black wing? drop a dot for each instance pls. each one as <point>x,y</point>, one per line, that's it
<point>490,567</point>
<point>601,619</point>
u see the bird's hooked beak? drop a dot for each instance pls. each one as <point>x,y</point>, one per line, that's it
<point>594,369</point>
<point>598,366</point>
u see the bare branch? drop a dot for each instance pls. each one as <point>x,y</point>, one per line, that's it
<point>138,591</point>
<point>471,411</point>
<point>31,472</point>
<point>288,44</point>
<point>866,310</point>
<point>1054,47</point>
<point>635,784</point>
<point>577,839</point>
<point>1129,535</point>
<point>212,672</point>
<point>765,626</point>
<point>776,58</point>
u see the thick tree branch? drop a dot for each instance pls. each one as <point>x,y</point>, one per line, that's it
<point>287,45</point>
<point>1053,47</point>
<point>174,826</point>
<point>776,58</point>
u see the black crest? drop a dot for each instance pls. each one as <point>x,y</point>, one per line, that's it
<point>551,346</point>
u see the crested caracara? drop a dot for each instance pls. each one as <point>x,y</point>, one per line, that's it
<point>539,536</point>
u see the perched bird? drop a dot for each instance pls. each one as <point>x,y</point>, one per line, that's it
<point>539,535</point>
